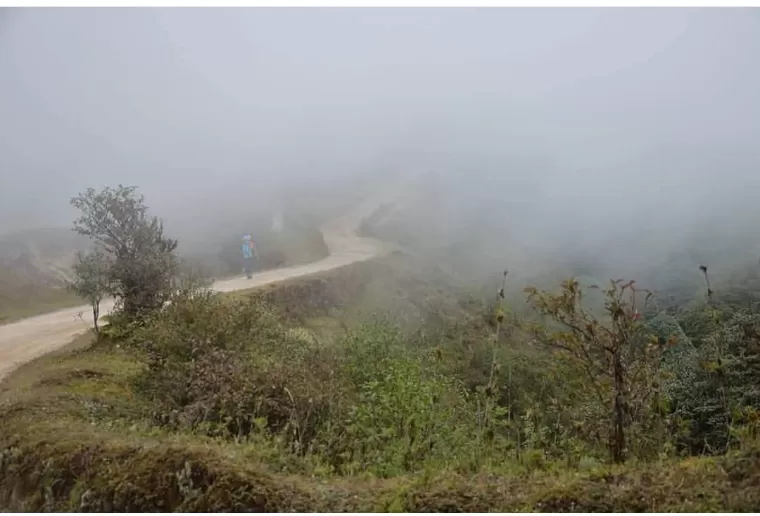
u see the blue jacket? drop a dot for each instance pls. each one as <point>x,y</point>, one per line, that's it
<point>248,249</point>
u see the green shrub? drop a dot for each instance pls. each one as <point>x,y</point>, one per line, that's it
<point>723,394</point>
<point>221,368</point>
<point>408,417</point>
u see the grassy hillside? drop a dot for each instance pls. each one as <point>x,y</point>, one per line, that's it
<point>34,266</point>
<point>74,439</point>
<point>20,299</point>
<point>399,287</point>
<point>358,390</point>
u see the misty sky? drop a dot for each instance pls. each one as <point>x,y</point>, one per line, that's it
<point>199,104</point>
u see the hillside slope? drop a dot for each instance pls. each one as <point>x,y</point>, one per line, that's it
<point>34,266</point>
<point>76,435</point>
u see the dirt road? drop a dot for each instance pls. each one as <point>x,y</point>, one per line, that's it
<point>25,340</point>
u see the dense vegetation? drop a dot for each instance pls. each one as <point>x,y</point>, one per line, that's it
<point>592,398</point>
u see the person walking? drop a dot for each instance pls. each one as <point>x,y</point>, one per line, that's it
<point>249,254</point>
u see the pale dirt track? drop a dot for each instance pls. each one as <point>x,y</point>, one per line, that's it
<point>30,338</point>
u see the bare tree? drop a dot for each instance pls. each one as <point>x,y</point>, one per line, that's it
<point>619,359</point>
<point>91,281</point>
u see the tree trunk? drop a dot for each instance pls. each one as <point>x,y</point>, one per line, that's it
<point>95,316</point>
<point>617,447</point>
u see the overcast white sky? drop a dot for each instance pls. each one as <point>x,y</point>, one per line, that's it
<point>207,103</point>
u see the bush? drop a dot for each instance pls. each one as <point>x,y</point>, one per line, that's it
<point>723,394</point>
<point>228,369</point>
<point>405,413</point>
<point>368,403</point>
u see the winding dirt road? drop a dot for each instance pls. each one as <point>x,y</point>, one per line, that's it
<point>30,338</point>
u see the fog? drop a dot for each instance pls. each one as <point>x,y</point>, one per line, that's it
<point>560,127</point>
